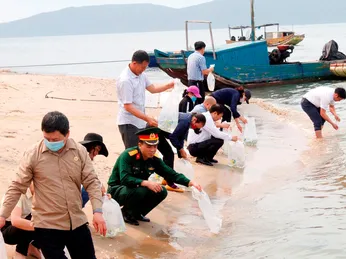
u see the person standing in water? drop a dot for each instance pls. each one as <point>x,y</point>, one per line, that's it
<point>316,102</point>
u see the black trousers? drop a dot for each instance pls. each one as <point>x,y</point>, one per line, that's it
<point>16,236</point>
<point>206,149</point>
<point>200,85</point>
<point>78,242</point>
<point>227,114</point>
<point>136,201</point>
<point>128,136</point>
<point>166,150</point>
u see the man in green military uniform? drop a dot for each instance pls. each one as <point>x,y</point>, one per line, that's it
<point>129,185</point>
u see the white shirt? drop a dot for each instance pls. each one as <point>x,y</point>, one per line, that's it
<point>207,132</point>
<point>321,97</point>
<point>131,89</point>
<point>25,203</point>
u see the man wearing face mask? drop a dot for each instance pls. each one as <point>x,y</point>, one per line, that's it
<point>232,98</point>
<point>186,121</point>
<point>58,166</point>
<point>93,142</point>
<point>195,121</point>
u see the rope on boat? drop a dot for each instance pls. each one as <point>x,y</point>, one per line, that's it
<point>66,64</point>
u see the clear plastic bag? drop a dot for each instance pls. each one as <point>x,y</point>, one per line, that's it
<point>211,80</point>
<point>113,217</point>
<point>213,221</point>
<point>225,145</point>
<point>3,253</point>
<point>236,154</point>
<point>155,178</point>
<point>184,167</point>
<point>250,132</point>
<point>169,115</point>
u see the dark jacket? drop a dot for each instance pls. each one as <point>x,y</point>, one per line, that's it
<point>186,104</point>
<point>179,134</point>
<point>230,97</point>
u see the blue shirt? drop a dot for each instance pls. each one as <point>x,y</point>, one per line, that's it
<point>180,133</point>
<point>199,108</point>
<point>230,97</point>
<point>196,63</point>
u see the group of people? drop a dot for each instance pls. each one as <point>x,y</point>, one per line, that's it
<point>42,208</point>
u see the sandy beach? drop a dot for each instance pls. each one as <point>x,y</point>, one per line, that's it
<point>94,109</point>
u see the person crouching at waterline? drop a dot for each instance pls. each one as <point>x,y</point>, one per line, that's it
<point>129,185</point>
<point>316,102</point>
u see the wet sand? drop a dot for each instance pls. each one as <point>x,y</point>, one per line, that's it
<point>177,228</point>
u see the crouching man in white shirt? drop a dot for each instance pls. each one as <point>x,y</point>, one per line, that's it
<point>210,139</point>
<point>316,102</point>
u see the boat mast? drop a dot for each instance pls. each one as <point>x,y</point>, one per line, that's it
<point>252,20</point>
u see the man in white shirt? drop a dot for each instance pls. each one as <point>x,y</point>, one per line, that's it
<point>316,102</point>
<point>205,145</point>
<point>131,86</point>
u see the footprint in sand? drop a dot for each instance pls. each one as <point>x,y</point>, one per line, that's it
<point>16,111</point>
<point>9,134</point>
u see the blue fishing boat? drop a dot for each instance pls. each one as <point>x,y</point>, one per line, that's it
<point>248,64</point>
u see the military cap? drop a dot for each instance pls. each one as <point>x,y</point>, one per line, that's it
<point>149,135</point>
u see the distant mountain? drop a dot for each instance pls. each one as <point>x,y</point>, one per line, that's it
<point>148,17</point>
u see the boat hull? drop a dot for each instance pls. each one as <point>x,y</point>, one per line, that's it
<point>250,76</point>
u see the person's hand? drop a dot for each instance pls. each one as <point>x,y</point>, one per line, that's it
<point>2,222</point>
<point>196,185</point>
<point>103,190</point>
<point>243,120</point>
<point>235,138</point>
<point>99,223</point>
<point>183,154</point>
<point>152,122</point>
<point>240,128</point>
<point>170,85</point>
<point>337,118</point>
<point>225,125</point>
<point>211,69</point>
<point>155,187</point>
<point>335,126</point>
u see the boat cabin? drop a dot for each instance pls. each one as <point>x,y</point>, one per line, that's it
<point>277,34</point>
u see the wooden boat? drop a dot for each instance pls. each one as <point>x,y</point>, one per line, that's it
<point>247,63</point>
<point>273,38</point>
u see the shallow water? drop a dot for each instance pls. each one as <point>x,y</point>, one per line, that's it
<point>288,202</point>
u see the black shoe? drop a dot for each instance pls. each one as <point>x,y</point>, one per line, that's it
<point>203,161</point>
<point>213,160</point>
<point>142,218</point>
<point>130,220</point>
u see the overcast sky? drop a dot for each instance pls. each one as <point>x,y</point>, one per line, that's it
<point>16,9</point>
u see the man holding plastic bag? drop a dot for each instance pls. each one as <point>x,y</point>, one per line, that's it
<point>205,145</point>
<point>232,97</point>
<point>129,185</point>
<point>197,68</point>
<point>131,86</point>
